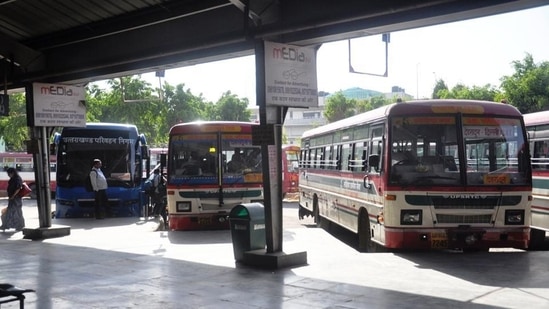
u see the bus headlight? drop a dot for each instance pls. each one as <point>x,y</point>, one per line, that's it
<point>411,216</point>
<point>514,216</point>
<point>183,206</point>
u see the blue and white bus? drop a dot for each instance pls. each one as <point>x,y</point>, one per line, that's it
<point>121,149</point>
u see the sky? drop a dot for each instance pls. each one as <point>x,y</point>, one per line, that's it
<point>473,52</point>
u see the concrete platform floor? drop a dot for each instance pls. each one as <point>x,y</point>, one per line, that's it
<point>126,263</point>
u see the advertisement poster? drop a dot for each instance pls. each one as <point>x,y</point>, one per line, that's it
<point>290,75</point>
<point>59,105</point>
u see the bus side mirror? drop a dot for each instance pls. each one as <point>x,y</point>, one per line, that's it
<point>523,161</point>
<point>145,152</point>
<point>373,161</point>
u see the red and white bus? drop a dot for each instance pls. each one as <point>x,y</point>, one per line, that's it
<point>290,171</point>
<point>155,153</point>
<point>438,174</point>
<point>212,167</point>
<point>23,163</point>
<point>537,125</point>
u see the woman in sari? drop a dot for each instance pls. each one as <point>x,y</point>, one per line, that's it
<point>12,216</point>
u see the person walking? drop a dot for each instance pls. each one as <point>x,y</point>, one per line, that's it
<point>99,185</point>
<point>12,216</point>
<point>157,194</point>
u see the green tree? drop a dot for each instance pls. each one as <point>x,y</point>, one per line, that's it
<point>372,103</point>
<point>96,99</point>
<point>14,127</point>
<point>460,91</point>
<point>129,100</point>
<point>231,108</point>
<point>439,85</point>
<point>528,88</point>
<point>339,107</point>
<point>183,106</point>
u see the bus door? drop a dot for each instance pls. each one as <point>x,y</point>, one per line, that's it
<point>372,182</point>
<point>372,179</point>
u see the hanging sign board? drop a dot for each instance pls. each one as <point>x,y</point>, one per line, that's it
<point>290,75</point>
<point>59,105</point>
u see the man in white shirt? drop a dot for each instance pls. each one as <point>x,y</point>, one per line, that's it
<point>99,185</point>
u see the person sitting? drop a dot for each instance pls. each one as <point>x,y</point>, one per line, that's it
<point>192,165</point>
<point>406,158</point>
<point>236,164</point>
<point>254,159</point>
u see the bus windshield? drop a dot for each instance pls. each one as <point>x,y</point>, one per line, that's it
<point>292,159</point>
<point>208,157</point>
<point>425,150</point>
<point>75,159</point>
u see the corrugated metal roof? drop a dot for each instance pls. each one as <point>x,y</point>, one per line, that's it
<point>25,20</point>
<point>78,41</point>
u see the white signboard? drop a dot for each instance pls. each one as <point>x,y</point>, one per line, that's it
<point>487,131</point>
<point>59,105</point>
<point>290,75</point>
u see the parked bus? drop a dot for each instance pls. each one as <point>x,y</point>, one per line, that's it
<point>24,163</point>
<point>155,155</point>
<point>290,172</point>
<point>432,174</point>
<point>212,167</point>
<point>537,125</point>
<point>121,149</point>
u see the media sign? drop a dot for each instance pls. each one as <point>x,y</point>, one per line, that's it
<point>59,105</point>
<point>290,75</point>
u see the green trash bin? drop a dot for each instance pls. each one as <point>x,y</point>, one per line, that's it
<point>247,223</point>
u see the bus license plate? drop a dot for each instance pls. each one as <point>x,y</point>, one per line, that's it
<point>204,221</point>
<point>439,241</point>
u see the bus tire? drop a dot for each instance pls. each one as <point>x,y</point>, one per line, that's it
<point>537,239</point>
<point>316,212</point>
<point>364,239</point>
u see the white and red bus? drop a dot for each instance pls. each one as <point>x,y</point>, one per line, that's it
<point>290,171</point>
<point>23,163</point>
<point>212,167</point>
<point>438,174</point>
<point>537,125</point>
<point>155,154</point>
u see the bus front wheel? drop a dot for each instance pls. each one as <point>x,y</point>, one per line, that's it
<point>365,243</point>
<point>316,212</point>
<point>537,239</point>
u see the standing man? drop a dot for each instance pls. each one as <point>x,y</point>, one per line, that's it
<point>99,185</point>
<point>156,194</point>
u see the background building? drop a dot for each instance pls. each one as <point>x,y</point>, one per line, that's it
<point>299,120</point>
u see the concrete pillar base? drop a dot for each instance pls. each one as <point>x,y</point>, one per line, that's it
<point>260,258</point>
<point>46,232</point>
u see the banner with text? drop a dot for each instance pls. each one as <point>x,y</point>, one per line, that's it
<point>59,105</point>
<point>290,75</point>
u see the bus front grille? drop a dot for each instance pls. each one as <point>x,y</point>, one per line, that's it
<point>91,203</point>
<point>460,203</point>
<point>463,201</point>
<point>463,219</point>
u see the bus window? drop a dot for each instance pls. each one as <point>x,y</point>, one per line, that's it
<point>346,156</point>
<point>358,161</point>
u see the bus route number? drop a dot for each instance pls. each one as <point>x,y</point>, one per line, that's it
<point>439,241</point>
<point>497,179</point>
